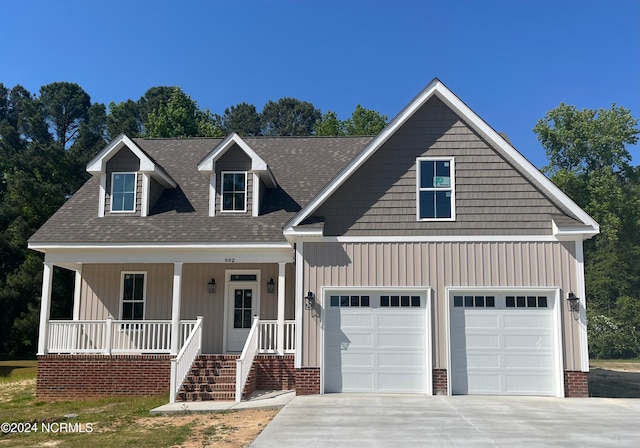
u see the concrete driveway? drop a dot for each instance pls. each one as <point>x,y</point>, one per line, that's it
<point>350,420</point>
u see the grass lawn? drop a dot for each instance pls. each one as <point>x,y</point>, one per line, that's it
<point>110,422</point>
<point>614,378</point>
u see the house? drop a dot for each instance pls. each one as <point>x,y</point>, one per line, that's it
<point>432,258</point>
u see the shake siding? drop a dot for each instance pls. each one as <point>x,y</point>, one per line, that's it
<point>101,283</point>
<point>440,265</point>
<point>492,197</point>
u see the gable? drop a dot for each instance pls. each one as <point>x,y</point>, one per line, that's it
<point>492,197</point>
<point>412,134</point>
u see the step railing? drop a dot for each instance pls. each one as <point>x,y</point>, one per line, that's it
<point>244,363</point>
<point>268,336</point>
<point>114,336</point>
<point>181,364</point>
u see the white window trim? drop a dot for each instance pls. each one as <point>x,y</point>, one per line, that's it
<point>144,293</point>
<point>135,192</point>
<point>246,193</point>
<point>452,175</point>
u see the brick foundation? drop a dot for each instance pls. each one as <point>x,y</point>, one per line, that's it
<point>78,376</point>
<point>440,382</point>
<point>308,381</point>
<point>576,384</point>
<point>273,372</point>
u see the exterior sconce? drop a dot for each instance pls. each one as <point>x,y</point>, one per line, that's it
<point>309,301</point>
<point>212,286</point>
<point>271,286</point>
<point>574,302</point>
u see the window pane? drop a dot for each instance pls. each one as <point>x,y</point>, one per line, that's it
<point>364,301</point>
<point>531,302</point>
<point>237,319</point>
<point>129,183</point>
<point>468,301</point>
<point>511,302</point>
<point>227,182</point>
<point>395,300</point>
<point>239,182</point>
<point>427,204</point>
<point>127,311</point>
<point>117,202</point>
<point>127,290</point>
<point>239,201</point>
<point>344,300</point>
<point>246,323</point>
<point>542,302</point>
<point>247,298</point>
<point>404,301</point>
<point>128,202</point>
<point>138,309</point>
<point>227,201</point>
<point>443,204</point>
<point>415,300</point>
<point>335,300</point>
<point>457,300</point>
<point>520,301</point>
<point>426,173</point>
<point>443,173</point>
<point>355,301</point>
<point>138,287</point>
<point>238,299</point>
<point>479,302</point>
<point>491,302</point>
<point>384,300</point>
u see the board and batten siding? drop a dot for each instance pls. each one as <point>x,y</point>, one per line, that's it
<point>439,265</point>
<point>101,290</point>
<point>492,197</point>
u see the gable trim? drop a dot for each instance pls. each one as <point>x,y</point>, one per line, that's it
<point>98,165</point>
<point>438,89</point>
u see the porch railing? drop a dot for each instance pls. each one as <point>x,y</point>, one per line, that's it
<point>244,363</point>
<point>268,336</point>
<point>181,364</point>
<point>114,336</point>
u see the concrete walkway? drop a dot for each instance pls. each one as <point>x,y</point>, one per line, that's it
<point>349,420</point>
<point>257,400</point>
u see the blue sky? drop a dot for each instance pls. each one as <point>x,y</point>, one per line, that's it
<point>510,61</point>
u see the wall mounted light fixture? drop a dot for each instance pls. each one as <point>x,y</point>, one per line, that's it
<point>574,302</point>
<point>271,286</point>
<point>309,300</point>
<point>211,286</point>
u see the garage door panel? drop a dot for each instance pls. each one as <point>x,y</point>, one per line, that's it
<point>377,348</point>
<point>503,350</point>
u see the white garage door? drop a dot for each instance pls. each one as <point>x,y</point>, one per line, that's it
<point>375,342</point>
<point>503,344</point>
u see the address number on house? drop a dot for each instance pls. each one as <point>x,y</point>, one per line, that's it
<point>229,260</point>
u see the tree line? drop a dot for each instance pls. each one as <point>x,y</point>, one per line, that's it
<point>46,140</point>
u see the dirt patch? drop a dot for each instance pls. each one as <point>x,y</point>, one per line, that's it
<point>232,429</point>
<point>615,380</point>
<point>9,389</point>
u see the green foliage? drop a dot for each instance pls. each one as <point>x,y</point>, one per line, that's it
<point>365,122</point>
<point>124,118</point>
<point>330,125</point>
<point>616,334</point>
<point>242,119</point>
<point>289,116</point>
<point>65,106</point>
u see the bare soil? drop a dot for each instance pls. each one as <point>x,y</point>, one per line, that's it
<point>232,429</point>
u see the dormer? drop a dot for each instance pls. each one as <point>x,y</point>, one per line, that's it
<point>238,178</point>
<point>130,180</point>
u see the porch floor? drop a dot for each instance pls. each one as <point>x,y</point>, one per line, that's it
<point>260,399</point>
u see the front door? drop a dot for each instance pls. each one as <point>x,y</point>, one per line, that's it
<point>241,307</point>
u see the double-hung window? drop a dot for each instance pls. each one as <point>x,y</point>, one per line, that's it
<point>123,192</point>
<point>234,191</point>
<point>133,295</point>
<point>436,189</point>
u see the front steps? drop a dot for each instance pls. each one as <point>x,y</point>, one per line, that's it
<point>212,377</point>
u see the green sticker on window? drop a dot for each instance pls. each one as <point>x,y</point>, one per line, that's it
<point>441,181</point>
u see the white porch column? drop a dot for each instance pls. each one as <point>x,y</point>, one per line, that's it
<point>76,294</point>
<point>280,323</point>
<point>45,309</point>
<point>175,309</point>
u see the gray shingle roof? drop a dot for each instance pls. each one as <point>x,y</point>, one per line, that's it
<point>301,166</point>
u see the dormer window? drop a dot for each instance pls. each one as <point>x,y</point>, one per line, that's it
<point>123,192</point>
<point>436,189</point>
<point>234,191</point>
